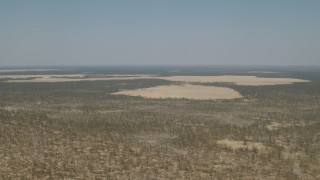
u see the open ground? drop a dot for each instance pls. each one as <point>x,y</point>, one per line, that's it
<point>183,91</point>
<point>239,80</point>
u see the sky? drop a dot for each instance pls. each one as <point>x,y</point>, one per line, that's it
<point>159,32</point>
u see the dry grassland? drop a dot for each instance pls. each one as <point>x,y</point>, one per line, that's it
<point>82,131</point>
<point>186,91</point>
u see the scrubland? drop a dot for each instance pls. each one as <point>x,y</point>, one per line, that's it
<point>81,130</point>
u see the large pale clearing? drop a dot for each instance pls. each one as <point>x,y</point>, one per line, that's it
<point>238,80</point>
<point>186,91</point>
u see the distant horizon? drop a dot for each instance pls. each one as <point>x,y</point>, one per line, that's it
<point>146,65</point>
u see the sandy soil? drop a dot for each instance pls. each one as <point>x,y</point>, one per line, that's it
<point>70,77</point>
<point>276,125</point>
<point>236,145</point>
<point>186,91</point>
<point>238,80</point>
<point>111,111</point>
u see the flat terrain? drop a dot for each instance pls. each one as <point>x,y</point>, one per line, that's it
<point>240,145</point>
<point>239,80</point>
<point>186,91</point>
<point>78,127</point>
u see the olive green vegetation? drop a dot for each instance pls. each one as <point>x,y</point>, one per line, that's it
<point>80,130</point>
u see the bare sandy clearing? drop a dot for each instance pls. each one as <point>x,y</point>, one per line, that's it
<point>11,108</point>
<point>69,77</point>
<point>186,91</point>
<point>236,145</point>
<point>111,111</point>
<point>275,126</point>
<point>56,78</point>
<point>239,80</point>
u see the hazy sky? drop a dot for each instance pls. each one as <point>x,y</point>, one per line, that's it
<point>159,32</point>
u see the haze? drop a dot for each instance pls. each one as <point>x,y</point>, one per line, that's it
<point>166,32</point>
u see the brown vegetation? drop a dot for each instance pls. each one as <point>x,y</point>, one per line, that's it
<point>70,130</point>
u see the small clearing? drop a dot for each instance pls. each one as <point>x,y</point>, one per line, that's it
<point>186,91</point>
<point>276,125</point>
<point>237,145</point>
